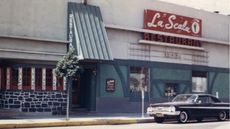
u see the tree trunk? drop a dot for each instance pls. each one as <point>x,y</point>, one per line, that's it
<point>69,90</point>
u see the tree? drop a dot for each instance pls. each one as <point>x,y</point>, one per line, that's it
<point>68,67</point>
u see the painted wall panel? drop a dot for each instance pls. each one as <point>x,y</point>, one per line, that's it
<point>218,55</point>
<point>221,85</point>
<point>108,71</point>
<point>157,90</point>
<point>171,74</point>
<point>34,18</point>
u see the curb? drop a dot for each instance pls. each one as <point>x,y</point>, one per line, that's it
<point>32,124</point>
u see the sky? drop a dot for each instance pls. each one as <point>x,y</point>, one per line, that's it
<point>223,6</point>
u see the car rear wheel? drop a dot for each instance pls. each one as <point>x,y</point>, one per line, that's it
<point>159,119</point>
<point>183,117</point>
<point>222,116</point>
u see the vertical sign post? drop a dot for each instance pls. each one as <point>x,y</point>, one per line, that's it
<point>142,102</point>
<point>217,94</point>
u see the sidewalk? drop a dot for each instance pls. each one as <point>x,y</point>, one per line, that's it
<point>75,120</point>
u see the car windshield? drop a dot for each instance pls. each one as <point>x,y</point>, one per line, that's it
<point>184,98</point>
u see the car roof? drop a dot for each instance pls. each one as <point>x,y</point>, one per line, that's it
<point>199,94</point>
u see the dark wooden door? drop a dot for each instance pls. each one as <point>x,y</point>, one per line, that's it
<point>76,92</point>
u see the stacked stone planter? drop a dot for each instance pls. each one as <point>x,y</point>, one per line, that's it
<point>34,101</point>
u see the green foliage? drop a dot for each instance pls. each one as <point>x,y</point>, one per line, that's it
<point>68,66</point>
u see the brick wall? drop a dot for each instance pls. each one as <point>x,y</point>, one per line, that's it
<point>34,101</point>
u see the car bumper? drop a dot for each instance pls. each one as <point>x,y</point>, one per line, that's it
<point>155,113</point>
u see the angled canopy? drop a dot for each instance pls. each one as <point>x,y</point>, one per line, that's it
<point>87,32</point>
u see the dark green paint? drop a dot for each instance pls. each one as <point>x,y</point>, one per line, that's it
<point>160,74</point>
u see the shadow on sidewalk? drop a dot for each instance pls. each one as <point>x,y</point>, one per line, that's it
<point>8,114</point>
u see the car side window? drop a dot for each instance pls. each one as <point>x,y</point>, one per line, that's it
<point>203,99</point>
<point>207,99</point>
<point>214,100</point>
<point>211,100</point>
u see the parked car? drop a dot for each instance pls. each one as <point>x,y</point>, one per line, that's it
<point>185,107</point>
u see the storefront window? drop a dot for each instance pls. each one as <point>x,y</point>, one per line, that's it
<point>26,77</point>
<point>49,76</point>
<point>199,81</point>
<point>38,78</point>
<point>3,78</point>
<point>139,78</point>
<point>171,89</point>
<point>0,78</point>
<point>14,78</point>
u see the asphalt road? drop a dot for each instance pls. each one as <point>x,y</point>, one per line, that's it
<point>167,125</point>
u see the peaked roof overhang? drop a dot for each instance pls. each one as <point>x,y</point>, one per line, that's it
<point>87,32</point>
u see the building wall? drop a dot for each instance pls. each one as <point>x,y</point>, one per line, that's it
<point>34,101</point>
<point>131,13</point>
<point>161,74</point>
<point>49,21</point>
<point>176,68</point>
<point>37,30</point>
<point>129,48</point>
<point>31,50</point>
<point>218,55</point>
<point>110,72</point>
<point>33,29</point>
<point>219,82</point>
<point>30,18</point>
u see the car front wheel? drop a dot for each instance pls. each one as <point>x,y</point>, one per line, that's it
<point>159,119</point>
<point>183,117</point>
<point>222,116</point>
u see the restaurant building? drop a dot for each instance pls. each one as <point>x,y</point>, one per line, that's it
<point>123,46</point>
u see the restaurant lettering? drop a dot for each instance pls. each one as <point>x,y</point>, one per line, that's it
<point>167,22</point>
<point>172,40</point>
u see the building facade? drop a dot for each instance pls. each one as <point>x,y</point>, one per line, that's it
<point>161,59</point>
<point>33,39</point>
<point>124,47</point>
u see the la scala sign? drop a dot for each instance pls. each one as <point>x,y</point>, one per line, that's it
<point>172,23</point>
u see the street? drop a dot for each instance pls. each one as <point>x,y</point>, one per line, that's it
<point>167,125</point>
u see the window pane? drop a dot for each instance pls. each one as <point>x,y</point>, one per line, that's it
<point>3,78</point>
<point>14,77</point>
<point>139,78</point>
<point>199,84</point>
<point>59,81</point>
<point>171,89</point>
<point>38,78</point>
<point>49,76</point>
<point>26,76</point>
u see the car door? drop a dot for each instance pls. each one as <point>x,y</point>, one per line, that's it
<point>203,106</point>
<point>215,106</point>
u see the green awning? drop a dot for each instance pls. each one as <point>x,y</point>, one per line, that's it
<point>87,32</point>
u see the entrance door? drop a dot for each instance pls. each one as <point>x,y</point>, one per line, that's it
<point>84,91</point>
<point>76,93</point>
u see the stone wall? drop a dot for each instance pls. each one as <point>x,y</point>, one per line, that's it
<point>34,101</point>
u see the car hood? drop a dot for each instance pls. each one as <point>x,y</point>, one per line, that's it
<point>169,104</point>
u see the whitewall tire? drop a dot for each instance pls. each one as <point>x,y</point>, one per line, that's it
<point>222,116</point>
<point>183,117</point>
